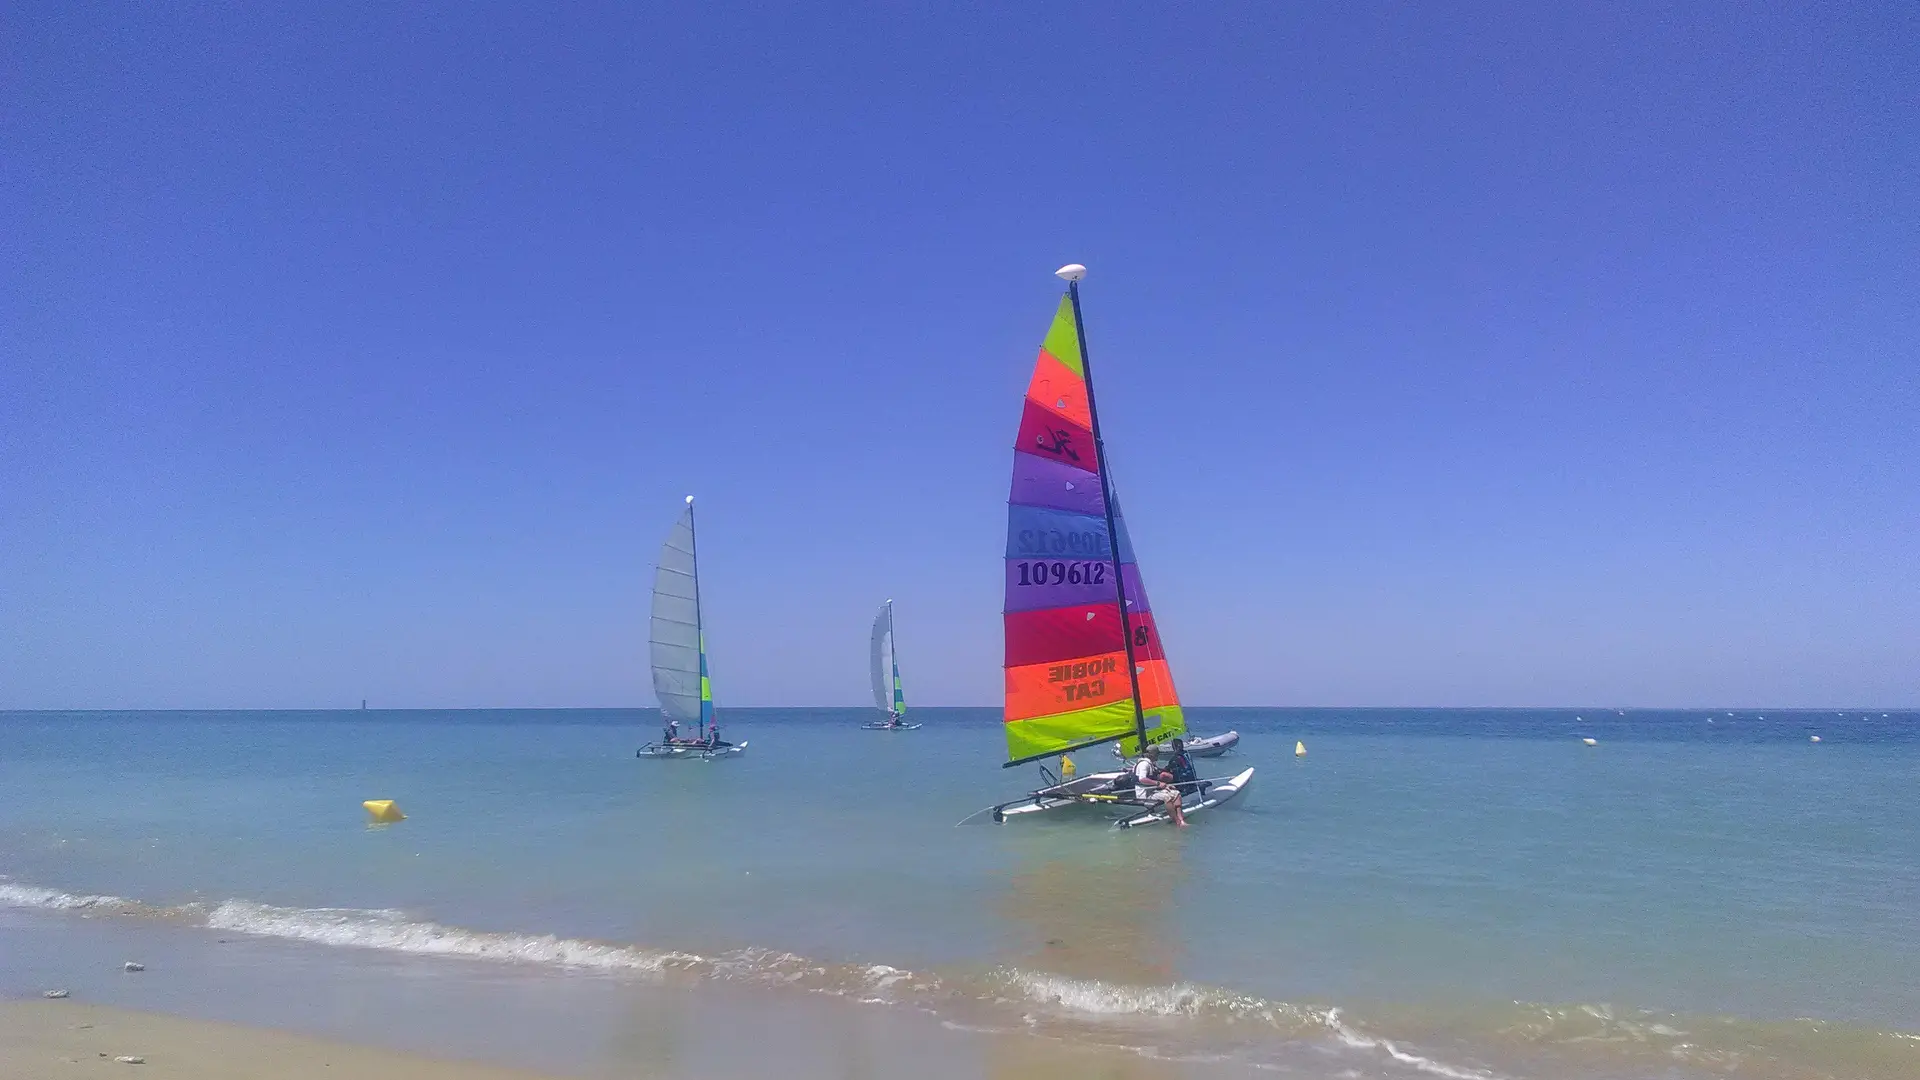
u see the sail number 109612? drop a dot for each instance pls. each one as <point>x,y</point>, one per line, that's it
<point>1061,573</point>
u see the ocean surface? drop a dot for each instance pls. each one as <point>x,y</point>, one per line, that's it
<point>1460,893</point>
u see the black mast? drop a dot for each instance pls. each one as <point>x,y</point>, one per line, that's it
<point>699,632</point>
<point>893,672</point>
<point>1106,496</point>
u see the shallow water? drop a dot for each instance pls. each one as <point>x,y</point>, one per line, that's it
<point>1441,891</point>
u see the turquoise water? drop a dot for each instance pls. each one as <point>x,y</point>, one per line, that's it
<point>1456,892</point>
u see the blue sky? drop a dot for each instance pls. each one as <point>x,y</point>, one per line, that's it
<point>1505,354</point>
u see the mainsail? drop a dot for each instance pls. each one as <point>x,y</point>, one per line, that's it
<point>678,646</point>
<point>886,665</point>
<point>1084,663</point>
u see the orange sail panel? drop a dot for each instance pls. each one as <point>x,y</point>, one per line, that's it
<point>1066,638</point>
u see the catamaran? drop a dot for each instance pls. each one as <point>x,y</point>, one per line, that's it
<point>678,649</point>
<point>1084,664</point>
<point>887,696</point>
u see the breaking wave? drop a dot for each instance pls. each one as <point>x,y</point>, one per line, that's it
<point>393,931</point>
<point>1512,1040</point>
<point>32,896</point>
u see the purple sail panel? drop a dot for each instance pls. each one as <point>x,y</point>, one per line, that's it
<point>1136,589</point>
<point>1038,481</point>
<point>1031,585</point>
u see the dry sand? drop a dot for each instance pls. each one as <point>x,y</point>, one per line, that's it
<point>64,1040</point>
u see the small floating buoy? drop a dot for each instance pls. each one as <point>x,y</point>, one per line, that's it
<point>383,811</point>
<point>1591,742</point>
<point>1814,738</point>
<point>1299,749</point>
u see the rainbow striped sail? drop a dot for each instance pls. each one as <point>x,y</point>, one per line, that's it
<point>1084,663</point>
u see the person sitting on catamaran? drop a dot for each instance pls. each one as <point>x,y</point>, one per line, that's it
<point>1150,789</point>
<point>671,734</point>
<point>1185,778</point>
<point>713,735</point>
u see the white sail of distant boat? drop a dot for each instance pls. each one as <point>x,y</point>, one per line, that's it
<point>885,668</point>
<point>677,647</point>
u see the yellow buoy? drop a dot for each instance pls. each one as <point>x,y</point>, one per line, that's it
<point>383,811</point>
<point>1067,768</point>
<point>1299,749</point>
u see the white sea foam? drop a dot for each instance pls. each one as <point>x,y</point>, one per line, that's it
<point>33,896</point>
<point>1099,1000</point>
<point>1354,1039</point>
<point>1096,998</point>
<point>394,932</point>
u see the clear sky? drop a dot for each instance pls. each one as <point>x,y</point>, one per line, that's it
<point>1448,354</point>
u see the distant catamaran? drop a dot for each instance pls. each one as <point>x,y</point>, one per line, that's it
<point>1084,664</point>
<point>887,696</point>
<point>678,646</point>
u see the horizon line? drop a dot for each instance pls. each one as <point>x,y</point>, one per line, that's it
<point>928,708</point>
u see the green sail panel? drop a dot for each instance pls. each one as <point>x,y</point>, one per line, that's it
<point>1063,339</point>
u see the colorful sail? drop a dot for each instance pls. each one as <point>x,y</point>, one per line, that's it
<point>887,696</point>
<point>1067,637</point>
<point>677,645</point>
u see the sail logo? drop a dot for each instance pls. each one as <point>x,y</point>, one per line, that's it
<point>1084,679</point>
<point>1058,442</point>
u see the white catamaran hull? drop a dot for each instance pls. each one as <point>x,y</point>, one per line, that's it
<point>881,725</point>
<point>1216,793</point>
<point>1095,791</point>
<point>694,752</point>
<point>1080,791</point>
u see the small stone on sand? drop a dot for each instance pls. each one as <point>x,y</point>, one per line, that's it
<point>131,966</point>
<point>54,994</point>
<point>131,1059</point>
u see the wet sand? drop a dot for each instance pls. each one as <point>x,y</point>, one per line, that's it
<point>60,1040</point>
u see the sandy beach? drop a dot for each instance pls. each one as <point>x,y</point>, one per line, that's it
<point>50,1040</point>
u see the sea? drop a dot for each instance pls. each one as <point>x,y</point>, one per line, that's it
<point>1461,893</point>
